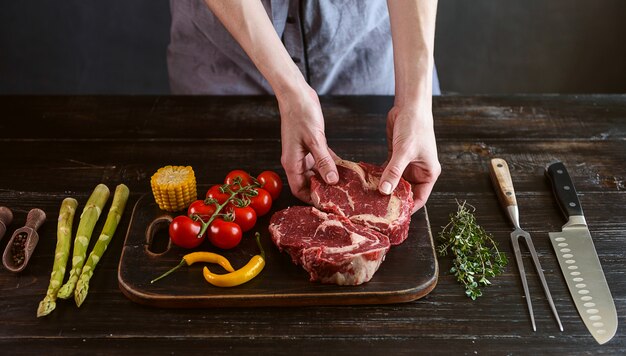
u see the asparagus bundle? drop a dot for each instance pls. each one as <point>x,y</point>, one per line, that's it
<point>113,218</point>
<point>88,220</point>
<point>61,253</point>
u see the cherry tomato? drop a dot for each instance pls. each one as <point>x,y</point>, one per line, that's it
<point>271,182</point>
<point>198,207</point>
<point>214,192</point>
<point>224,234</point>
<point>244,217</point>
<point>184,232</point>
<point>262,203</point>
<point>246,179</point>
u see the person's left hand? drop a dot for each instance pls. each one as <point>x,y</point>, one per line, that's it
<point>411,152</point>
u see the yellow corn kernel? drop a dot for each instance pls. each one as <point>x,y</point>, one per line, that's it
<point>174,187</point>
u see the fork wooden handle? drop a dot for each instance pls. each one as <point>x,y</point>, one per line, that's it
<point>501,178</point>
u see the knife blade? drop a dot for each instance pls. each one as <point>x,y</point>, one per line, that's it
<point>579,261</point>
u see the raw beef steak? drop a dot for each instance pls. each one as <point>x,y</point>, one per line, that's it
<point>329,247</point>
<point>356,197</point>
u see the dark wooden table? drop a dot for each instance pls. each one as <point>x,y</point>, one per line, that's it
<point>53,147</point>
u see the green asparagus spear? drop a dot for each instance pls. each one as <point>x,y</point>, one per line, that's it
<point>113,218</point>
<point>61,253</point>
<point>88,220</point>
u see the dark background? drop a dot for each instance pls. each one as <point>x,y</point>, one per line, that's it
<point>482,46</point>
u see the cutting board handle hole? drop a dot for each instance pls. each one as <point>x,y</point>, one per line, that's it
<point>157,235</point>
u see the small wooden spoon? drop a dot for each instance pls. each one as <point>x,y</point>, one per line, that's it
<point>34,220</point>
<point>6,217</point>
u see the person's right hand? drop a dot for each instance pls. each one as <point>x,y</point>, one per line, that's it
<point>304,147</point>
<point>302,124</point>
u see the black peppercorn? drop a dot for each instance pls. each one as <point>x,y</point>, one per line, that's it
<point>18,248</point>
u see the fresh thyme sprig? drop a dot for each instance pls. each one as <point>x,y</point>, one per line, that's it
<point>476,254</point>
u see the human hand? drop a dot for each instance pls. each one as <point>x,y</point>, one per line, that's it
<point>411,152</point>
<point>304,146</point>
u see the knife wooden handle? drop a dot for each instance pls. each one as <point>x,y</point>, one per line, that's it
<point>563,189</point>
<point>502,182</point>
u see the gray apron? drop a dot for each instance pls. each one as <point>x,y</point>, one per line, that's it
<point>341,48</point>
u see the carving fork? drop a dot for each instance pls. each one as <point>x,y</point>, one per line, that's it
<point>501,177</point>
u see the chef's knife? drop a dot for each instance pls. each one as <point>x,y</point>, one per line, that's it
<point>579,261</point>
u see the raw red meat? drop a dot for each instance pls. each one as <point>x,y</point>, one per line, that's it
<point>329,247</point>
<point>356,197</point>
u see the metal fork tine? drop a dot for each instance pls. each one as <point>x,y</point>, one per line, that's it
<point>522,273</point>
<point>533,253</point>
<point>503,183</point>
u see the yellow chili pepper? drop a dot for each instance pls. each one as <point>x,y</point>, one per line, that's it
<point>200,256</point>
<point>240,276</point>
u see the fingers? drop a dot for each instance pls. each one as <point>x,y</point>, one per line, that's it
<point>299,185</point>
<point>421,192</point>
<point>333,155</point>
<point>392,173</point>
<point>324,162</point>
<point>422,179</point>
<point>299,172</point>
<point>421,174</point>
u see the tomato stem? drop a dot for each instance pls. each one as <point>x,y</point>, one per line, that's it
<point>249,190</point>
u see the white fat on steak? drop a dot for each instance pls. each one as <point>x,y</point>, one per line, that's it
<point>363,271</point>
<point>329,247</point>
<point>356,197</point>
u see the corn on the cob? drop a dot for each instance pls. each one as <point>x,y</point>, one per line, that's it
<point>174,187</point>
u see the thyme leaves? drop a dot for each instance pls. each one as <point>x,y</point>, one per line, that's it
<point>476,257</point>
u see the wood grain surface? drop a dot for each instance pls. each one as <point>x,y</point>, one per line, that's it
<point>54,147</point>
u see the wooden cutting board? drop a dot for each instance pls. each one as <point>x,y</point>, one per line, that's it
<point>409,271</point>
